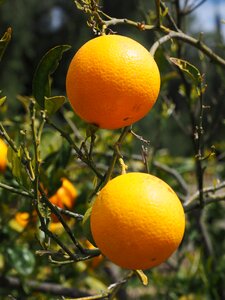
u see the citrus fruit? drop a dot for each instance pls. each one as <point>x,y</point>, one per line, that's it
<point>22,218</point>
<point>112,81</point>
<point>137,221</point>
<point>64,197</point>
<point>3,155</point>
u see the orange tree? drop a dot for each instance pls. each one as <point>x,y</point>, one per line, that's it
<point>62,160</point>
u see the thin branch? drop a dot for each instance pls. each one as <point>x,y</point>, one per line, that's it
<point>41,287</point>
<point>190,9</point>
<point>190,40</point>
<point>206,190</point>
<point>55,210</point>
<point>15,190</point>
<point>116,153</point>
<point>80,154</point>
<point>169,17</point>
<point>174,173</point>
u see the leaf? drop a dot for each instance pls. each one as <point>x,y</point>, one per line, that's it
<point>44,210</point>
<point>52,104</point>
<point>18,171</point>
<point>2,100</point>
<point>4,41</point>
<point>143,278</point>
<point>21,259</point>
<point>78,5</point>
<point>190,70</point>
<point>47,66</point>
<point>87,215</point>
<point>87,226</point>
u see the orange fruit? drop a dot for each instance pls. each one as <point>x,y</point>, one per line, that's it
<point>3,155</point>
<point>22,218</point>
<point>112,81</point>
<point>65,196</point>
<point>137,221</point>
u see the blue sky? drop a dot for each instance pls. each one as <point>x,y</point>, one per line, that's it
<point>205,15</point>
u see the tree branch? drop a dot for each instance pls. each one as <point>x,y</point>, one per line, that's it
<point>42,287</point>
<point>190,40</point>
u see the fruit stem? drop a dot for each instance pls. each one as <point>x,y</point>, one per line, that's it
<point>116,154</point>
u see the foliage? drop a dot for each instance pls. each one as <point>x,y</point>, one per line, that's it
<point>180,141</point>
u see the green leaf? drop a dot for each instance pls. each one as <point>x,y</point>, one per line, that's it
<point>86,225</point>
<point>2,100</point>
<point>143,278</point>
<point>53,104</point>
<point>46,67</point>
<point>44,210</point>
<point>190,70</point>
<point>21,259</point>
<point>4,41</point>
<point>18,171</point>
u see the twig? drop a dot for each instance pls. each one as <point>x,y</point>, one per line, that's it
<point>189,10</point>
<point>80,154</point>
<point>174,173</point>
<point>116,154</point>
<point>210,199</point>
<point>15,190</point>
<point>55,210</point>
<point>190,40</point>
<point>42,287</point>
<point>207,190</point>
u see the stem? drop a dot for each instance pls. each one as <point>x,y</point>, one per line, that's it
<point>15,190</point>
<point>116,153</point>
<point>55,210</point>
<point>80,154</point>
<point>12,282</point>
<point>190,40</point>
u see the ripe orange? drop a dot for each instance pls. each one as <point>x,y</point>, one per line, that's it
<point>65,196</point>
<point>112,81</point>
<point>22,218</point>
<point>3,155</point>
<point>137,221</point>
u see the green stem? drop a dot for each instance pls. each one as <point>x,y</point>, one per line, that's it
<point>80,154</point>
<point>16,191</point>
<point>116,153</point>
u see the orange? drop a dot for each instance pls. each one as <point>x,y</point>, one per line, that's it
<point>22,218</point>
<point>112,81</point>
<point>65,196</point>
<point>137,221</point>
<point>3,155</point>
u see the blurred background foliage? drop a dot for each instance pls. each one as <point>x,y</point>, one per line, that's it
<point>190,274</point>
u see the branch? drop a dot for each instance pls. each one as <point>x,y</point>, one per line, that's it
<point>190,40</point>
<point>174,173</point>
<point>80,154</point>
<point>42,287</point>
<point>209,197</point>
<point>116,153</point>
<point>15,190</point>
<point>209,189</point>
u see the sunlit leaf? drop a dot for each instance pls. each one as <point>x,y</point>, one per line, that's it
<point>52,104</point>
<point>46,67</point>
<point>190,70</point>
<point>2,100</point>
<point>18,170</point>
<point>4,41</point>
<point>44,210</point>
